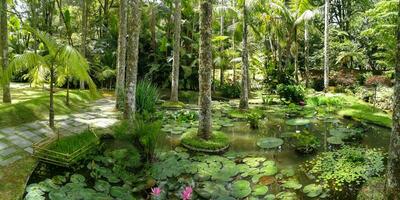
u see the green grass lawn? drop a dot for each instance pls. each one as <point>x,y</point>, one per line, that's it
<point>37,106</point>
<point>357,109</point>
<point>14,176</point>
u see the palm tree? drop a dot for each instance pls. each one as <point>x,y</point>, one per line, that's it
<point>177,47</point>
<point>305,18</point>
<point>133,58</point>
<point>244,97</point>
<point>205,67</point>
<point>121,57</point>
<point>61,60</point>
<point>393,168</point>
<point>4,50</point>
<point>326,47</point>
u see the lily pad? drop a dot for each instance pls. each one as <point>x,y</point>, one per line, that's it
<point>269,168</point>
<point>286,196</point>
<point>260,190</point>
<point>212,190</point>
<point>241,189</point>
<point>292,184</point>
<point>121,193</point>
<point>269,142</point>
<point>266,180</point>
<point>335,140</point>
<point>298,122</point>
<point>312,190</point>
<point>77,178</point>
<point>253,162</point>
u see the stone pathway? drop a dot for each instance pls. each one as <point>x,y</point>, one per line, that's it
<point>14,141</point>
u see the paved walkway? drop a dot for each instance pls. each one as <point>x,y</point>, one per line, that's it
<point>14,141</point>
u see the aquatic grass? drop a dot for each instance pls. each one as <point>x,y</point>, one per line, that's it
<point>70,144</point>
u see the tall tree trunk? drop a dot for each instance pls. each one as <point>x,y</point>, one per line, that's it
<point>244,97</point>
<point>51,106</point>
<point>233,48</point>
<point>326,47</point>
<point>121,57</point>
<point>132,54</point>
<point>221,33</point>
<point>176,53</point>
<point>4,49</point>
<point>153,23</point>
<point>205,67</point>
<point>393,168</point>
<point>306,52</point>
<point>84,34</point>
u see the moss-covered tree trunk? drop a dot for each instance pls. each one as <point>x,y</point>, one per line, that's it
<point>244,97</point>
<point>326,47</point>
<point>393,168</point>
<point>4,49</point>
<point>121,55</point>
<point>176,53</point>
<point>132,54</point>
<point>205,68</point>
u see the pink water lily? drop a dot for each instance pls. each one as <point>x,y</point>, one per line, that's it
<point>187,193</point>
<point>156,191</point>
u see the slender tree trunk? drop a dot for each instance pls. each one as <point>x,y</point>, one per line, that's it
<point>121,57</point>
<point>233,48</point>
<point>393,168</point>
<point>84,35</point>
<point>306,52</point>
<point>176,53</point>
<point>67,98</point>
<point>244,97</point>
<point>205,67</point>
<point>4,49</point>
<point>132,65</point>
<point>153,23</point>
<point>296,57</point>
<point>51,106</point>
<point>222,20</point>
<point>326,47</point>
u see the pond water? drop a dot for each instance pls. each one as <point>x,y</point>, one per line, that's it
<point>244,141</point>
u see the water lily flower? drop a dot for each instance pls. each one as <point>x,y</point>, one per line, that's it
<point>187,193</point>
<point>156,191</point>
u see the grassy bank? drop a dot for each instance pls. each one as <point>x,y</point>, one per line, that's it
<point>14,176</point>
<point>352,107</point>
<point>38,107</point>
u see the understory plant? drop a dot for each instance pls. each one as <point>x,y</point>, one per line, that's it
<point>291,93</point>
<point>349,166</point>
<point>230,90</point>
<point>254,120</point>
<point>147,96</point>
<point>305,142</point>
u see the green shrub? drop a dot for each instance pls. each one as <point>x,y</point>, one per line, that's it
<point>305,142</point>
<point>147,134</point>
<point>254,120</point>
<point>147,96</point>
<point>231,90</point>
<point>346,167</point>
<point>317,84</point>
<point>291,93</point>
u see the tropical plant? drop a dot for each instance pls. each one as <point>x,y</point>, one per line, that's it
<point>147,96</point>
<point>58,60</point>
<point>305,142</point>
<point>291,93</point>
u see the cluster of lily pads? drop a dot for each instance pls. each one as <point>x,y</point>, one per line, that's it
<point>113,175</point>
<point>340,135</point>
<point>179,122</point>
<point>228,177</point>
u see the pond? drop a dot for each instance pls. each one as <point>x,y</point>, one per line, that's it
<point>228,174</point>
